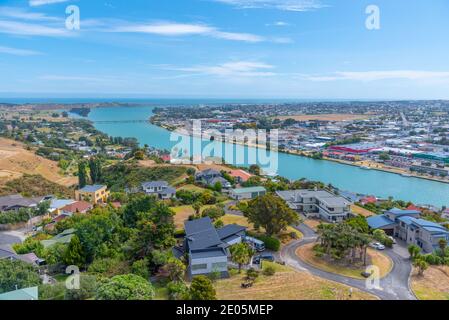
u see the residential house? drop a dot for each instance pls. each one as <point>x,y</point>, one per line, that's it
<point>161,189</point>
<point>211,177</point>
<point>240,176</point>
<point>57,204</point>
<point>21,295</point>
<point>76,207</point>
<point>318,204</point>
<point>207,246</point>
<point>64,237</point>
<point>247,193</point>
<point>95,194</point>
<point>407,226</point>
<point>16,202</point>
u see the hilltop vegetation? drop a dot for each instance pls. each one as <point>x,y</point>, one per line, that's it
<point>34,186</point>
<point>123,175</point>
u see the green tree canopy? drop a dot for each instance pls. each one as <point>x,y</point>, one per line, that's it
<point>125,287</point>
<point>16,274</point>
<point>202,289</point>
<point>271,213</point>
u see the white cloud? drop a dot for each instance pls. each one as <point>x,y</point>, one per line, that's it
<point>381,75</point>
<point>37,3</point>
<point>229,69</point>
<point>286,5</point>
<point>18,52</point>
<point>21,14</point>
<point>185,29</point>
<point>31,29</point>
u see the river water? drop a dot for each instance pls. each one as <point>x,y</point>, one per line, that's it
<point>345,177</point>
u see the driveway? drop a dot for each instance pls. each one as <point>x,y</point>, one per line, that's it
<point>395,286</point>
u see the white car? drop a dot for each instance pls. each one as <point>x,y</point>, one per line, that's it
<point>377,246</point>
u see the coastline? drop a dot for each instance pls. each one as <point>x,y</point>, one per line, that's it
<point>396,171</point>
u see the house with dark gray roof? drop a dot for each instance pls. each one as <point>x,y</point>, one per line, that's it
<point>161,189</point>
<point>211,177</point>
<point>16,201</point>
<point>207,246</point>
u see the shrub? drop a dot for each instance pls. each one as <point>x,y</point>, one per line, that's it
<point>433,259</point>
<point>270,242</point>
<point>177,291</point>
<point>269,271</point>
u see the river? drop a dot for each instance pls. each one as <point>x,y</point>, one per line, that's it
<point>345,177</point>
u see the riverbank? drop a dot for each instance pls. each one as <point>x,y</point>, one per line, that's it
<point>359,164</point>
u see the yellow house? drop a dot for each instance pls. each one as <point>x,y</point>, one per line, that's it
<point>95,194</point>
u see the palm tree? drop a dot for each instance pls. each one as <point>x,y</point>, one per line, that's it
<point>414,251</point>
<point>422,266</point>
<point>442,244</point>
<point>241,254</point>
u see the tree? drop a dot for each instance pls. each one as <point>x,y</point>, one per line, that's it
<point>137,206</point>
<point>42,208</point>
<point>241,254</point>
<point>197,207</point>
<point>16,274</point>
<point>421,264</point>
<point>82,174</point>
<point>125,287</point>
<point>74,254</point>
<point>202,289</point>
<point>414,251</point>
<point>214,213</point>
<point>254,169</point>
<point>218,186</point>
<point>140,268</point>
<point>88,287</point>
<point>176,269</point>
<point>271,213</point>
<point>95,170</point>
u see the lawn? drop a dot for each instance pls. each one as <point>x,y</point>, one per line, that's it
<point>378,259</point>
<point>286,284</point>
<point>192,187</point>
<point>361,211</point>
<point>183,213</point>
<point>433,285</point>
<point>232,219</point>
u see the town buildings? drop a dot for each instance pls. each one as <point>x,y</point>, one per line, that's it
<point>95,194</point>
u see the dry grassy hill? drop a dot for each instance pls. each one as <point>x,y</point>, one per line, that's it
<point>15,161</point>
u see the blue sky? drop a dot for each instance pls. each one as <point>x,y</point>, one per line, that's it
<point>306,49</point>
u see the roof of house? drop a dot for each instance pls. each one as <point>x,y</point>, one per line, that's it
<point>6,252</point>
<point>92,188</point>
<point>17,200</point>
<point>207,172</point>
<point>400,212</point>
<point>335,201</point>
<point>78,206</point>
<point>198,225</point>
<point>243,175</point>
<point>249,190</point>
<point>229,230</point>
<point>60,203</point>
<point>154,184</point>
<point>204,239</point>
<point>380,221</point>
<point>63,237</point>
<point>21,295</point>
<point>168,190</point>
<point>208,253</point>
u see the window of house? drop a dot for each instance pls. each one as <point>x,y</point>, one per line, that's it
<point>199,266</point>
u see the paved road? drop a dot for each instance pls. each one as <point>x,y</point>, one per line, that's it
<point>10,237</point>
<point>395,286</point>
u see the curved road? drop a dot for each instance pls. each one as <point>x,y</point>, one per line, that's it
<point>395,286</point>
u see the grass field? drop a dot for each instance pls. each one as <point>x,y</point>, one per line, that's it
<point>433,285</point>
<point>383,262</point>
<point>286,284</point>
<point>183,213</point>
<point>192,187</point>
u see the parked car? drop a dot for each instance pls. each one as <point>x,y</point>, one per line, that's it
<point>256,244</point>
<point>377,246</point>
<point>266,257</point>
